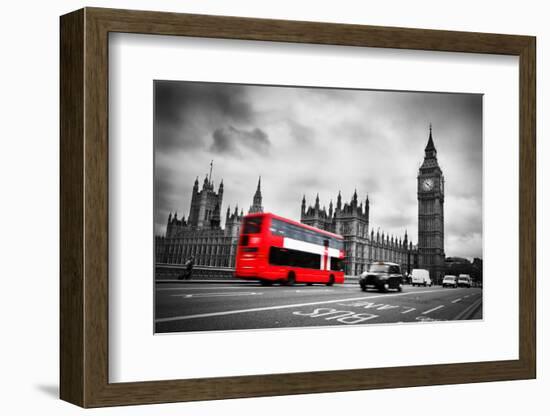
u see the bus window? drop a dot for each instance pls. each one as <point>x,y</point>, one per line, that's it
<point>252,225</point>
<point>287,257</point>
<point>336,264</point>
<point>285,229</point>
<point>337,244</point>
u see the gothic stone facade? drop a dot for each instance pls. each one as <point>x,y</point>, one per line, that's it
<point>201,235</point>
<point>351,220</point>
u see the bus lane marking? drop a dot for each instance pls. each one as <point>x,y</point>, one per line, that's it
<point>296,305</point>
<point>378,306</point>
<point>344,317</point>
<point>370,305</point>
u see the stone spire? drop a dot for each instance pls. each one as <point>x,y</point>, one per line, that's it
<point>210,175</point>
<point>257,200</point>
<point>430,150</point>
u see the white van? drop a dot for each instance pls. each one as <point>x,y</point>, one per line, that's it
<point>421,277</point>
<point>464,280</point>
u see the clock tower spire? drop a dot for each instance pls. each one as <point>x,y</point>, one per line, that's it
<point>431,197</point>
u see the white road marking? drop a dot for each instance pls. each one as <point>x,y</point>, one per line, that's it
<point>216,295</point>
<point>409,310</point>
<point>370,305</point>
<point>202,288</point>
<point>456,300</point>
<point>467,311</point>
<point>296,305</point>
<point>433,309</point>
<point>425,319</point>
<point>345,317</point>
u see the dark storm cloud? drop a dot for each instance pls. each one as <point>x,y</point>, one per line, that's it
<point>175,99</point>
<point>185,111</point>
<point>232,140</point>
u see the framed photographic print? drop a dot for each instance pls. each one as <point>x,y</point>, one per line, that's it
<point>331,207</point>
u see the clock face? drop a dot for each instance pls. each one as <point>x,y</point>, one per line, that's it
<point>427,184</point>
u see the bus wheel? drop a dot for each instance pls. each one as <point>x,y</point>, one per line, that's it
<point>291,279</point>
<point>330,280</point>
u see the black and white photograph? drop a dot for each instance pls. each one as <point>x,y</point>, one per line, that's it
<point>293,206</point>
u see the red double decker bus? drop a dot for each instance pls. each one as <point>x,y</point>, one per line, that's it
<point>276,249</point>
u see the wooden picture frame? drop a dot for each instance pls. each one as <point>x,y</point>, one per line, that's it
<point>84,207</point>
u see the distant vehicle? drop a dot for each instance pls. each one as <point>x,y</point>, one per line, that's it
<point>382,276</point>
<point>450,281</point>
<point>464,280</point>
<point>276,249</point>
<point>421,277</point>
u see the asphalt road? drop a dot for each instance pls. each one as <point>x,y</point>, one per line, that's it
<point>188,306</point>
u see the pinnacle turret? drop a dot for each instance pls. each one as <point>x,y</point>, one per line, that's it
<point>257,199</point>
<point>430,147</point>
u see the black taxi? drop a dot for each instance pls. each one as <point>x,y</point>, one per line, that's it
<point>383,276</point>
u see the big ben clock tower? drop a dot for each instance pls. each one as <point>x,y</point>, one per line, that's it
<point>431,196</point>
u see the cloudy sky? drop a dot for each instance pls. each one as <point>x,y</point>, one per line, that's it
<point>318,140</point>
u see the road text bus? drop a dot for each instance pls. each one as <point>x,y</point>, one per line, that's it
<point>276,249</point>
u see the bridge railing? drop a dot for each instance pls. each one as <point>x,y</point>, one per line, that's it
<point>164,271</point>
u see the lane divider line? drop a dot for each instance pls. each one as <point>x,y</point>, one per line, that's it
<point>469,311</point>
<point>432,310</point>
<point>163,289</point>
<point>216,295</point>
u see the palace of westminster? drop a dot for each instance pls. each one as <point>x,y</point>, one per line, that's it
<point>201,235</point>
